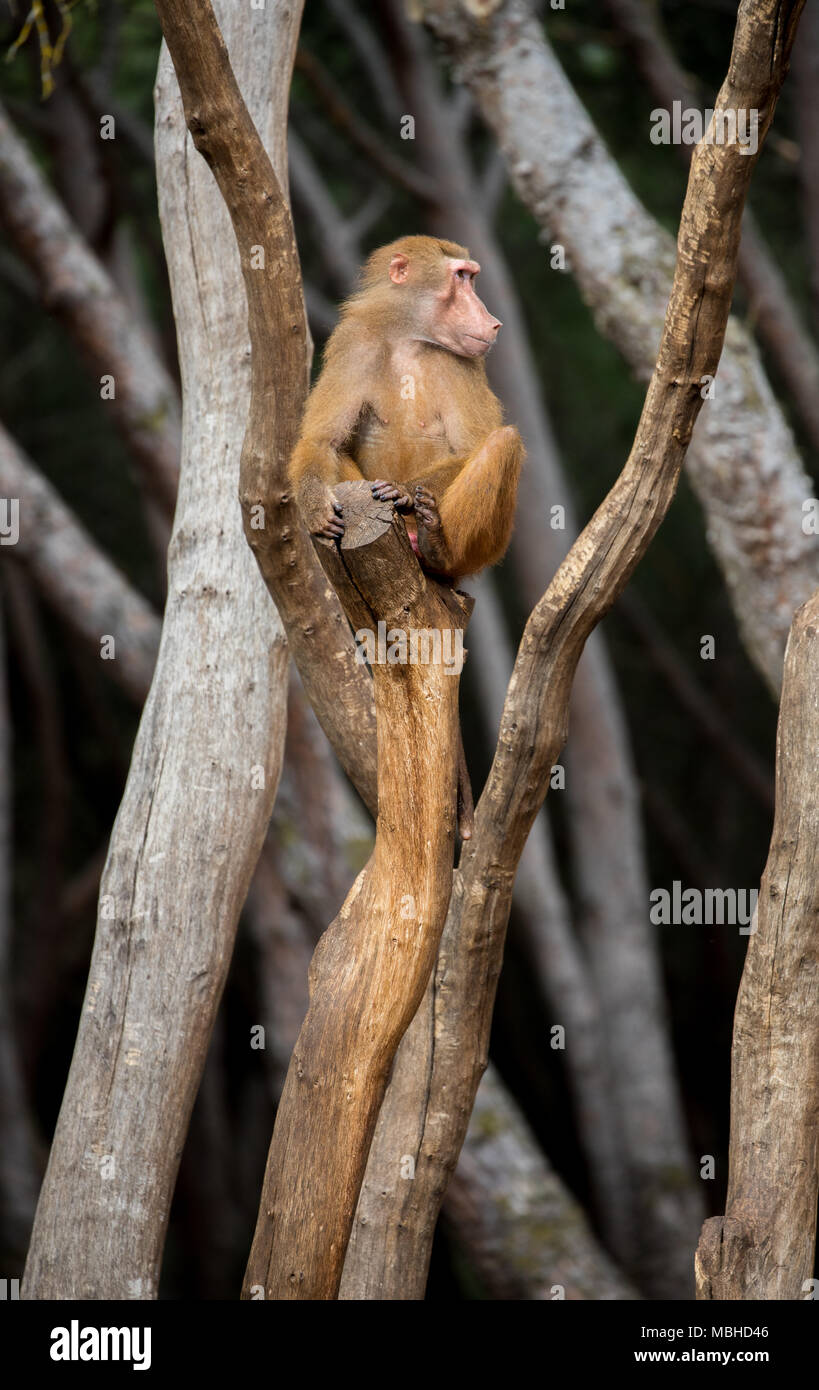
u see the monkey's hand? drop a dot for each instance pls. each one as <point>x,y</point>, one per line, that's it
<point>327,521</point>
<point>388,492</point>
<point>320,512</point>
<point>432,544</point>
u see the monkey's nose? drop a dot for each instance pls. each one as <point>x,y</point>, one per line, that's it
<point>495,325</point>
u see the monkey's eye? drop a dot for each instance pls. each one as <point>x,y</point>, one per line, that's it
<point>462,274</point>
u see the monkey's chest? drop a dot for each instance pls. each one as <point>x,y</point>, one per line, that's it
<point>394,442</point>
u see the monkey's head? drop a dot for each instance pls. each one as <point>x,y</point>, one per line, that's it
<point>426,289</point>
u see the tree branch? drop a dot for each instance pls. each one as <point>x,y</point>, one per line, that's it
<point>763,1247</point>
<point>371,143</point>
<point>78,291</point>
<point>77,580</point>
<point>372,964</point>
<point>204,769</point>
<point>450,1047</point>
<point>772,311</point>
<point>317,631</point>
<point>743,463</point>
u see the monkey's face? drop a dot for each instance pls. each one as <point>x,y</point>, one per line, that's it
<point>448,311</point>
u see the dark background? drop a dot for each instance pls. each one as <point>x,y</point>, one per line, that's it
<point>73,730</point>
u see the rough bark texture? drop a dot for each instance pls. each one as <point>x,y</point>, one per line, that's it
<point>763,1247</point>
<point>521,1229</point>
<point>665,1202</point>
<point>772,311</point>
<point>76,288</point>
<point>609,860</point>
<point>77,579</point>
<point>565,979</point>
<point>191,822</point>
<point>609,857</point>
<point>372,964</point>
<point>743,462</point>
<point>445,1049</point>
<point>513,1218</point>
<point>318,636</point>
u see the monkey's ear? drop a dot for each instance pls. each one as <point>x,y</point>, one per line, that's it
<point>399,268</point>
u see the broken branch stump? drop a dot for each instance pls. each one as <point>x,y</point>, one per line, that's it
<point>371,967</point>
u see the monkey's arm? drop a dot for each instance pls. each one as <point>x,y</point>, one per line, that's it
<point>321,458</point>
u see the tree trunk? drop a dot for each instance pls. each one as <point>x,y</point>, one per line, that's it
<point>446,1047</point>
<point>204,769</point>
<point>19,1156</point>
<point>763,1247</point>
<point>372,964</point>
<point>523,1232</point>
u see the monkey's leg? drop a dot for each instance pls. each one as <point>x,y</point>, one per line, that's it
<point>478,508</point>
<point>348,469</point>
<point>430,539</point>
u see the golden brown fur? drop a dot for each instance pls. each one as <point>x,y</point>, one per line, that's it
<point>393,403</point>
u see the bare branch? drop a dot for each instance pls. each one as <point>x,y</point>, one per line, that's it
<point>806,106</point>
<point>336,243</point>
<point>743,462</point>
<point>604,821</point>
<point>373,145</point>
<point>763,1247</point>
<point>371,967</point>
<point>772,311</point>
<point>519,1225</point>
<point>205,764</point>
<point>371,54</point>
<point>19,1158</point>
<point>74,286</point>
<point>91,595</point>
<point>535,718</point>
<point>317,631</point>
<point>697,704</point>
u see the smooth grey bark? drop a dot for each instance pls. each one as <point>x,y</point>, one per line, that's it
<point>80,292</point>
<point>520,1227</point>
<point>662,1211</point>
<point>771,310</point>
<point>743,462</point>
<point>205,765</point>
<point>75,577</point>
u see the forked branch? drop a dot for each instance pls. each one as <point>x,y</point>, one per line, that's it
<point>446,1048</point>
<point>317,632</point>
<point>371,966</point>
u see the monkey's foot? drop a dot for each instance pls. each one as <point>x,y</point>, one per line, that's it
<point>388,492</point>
<point>432,545</point>
<point>331,526</point>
